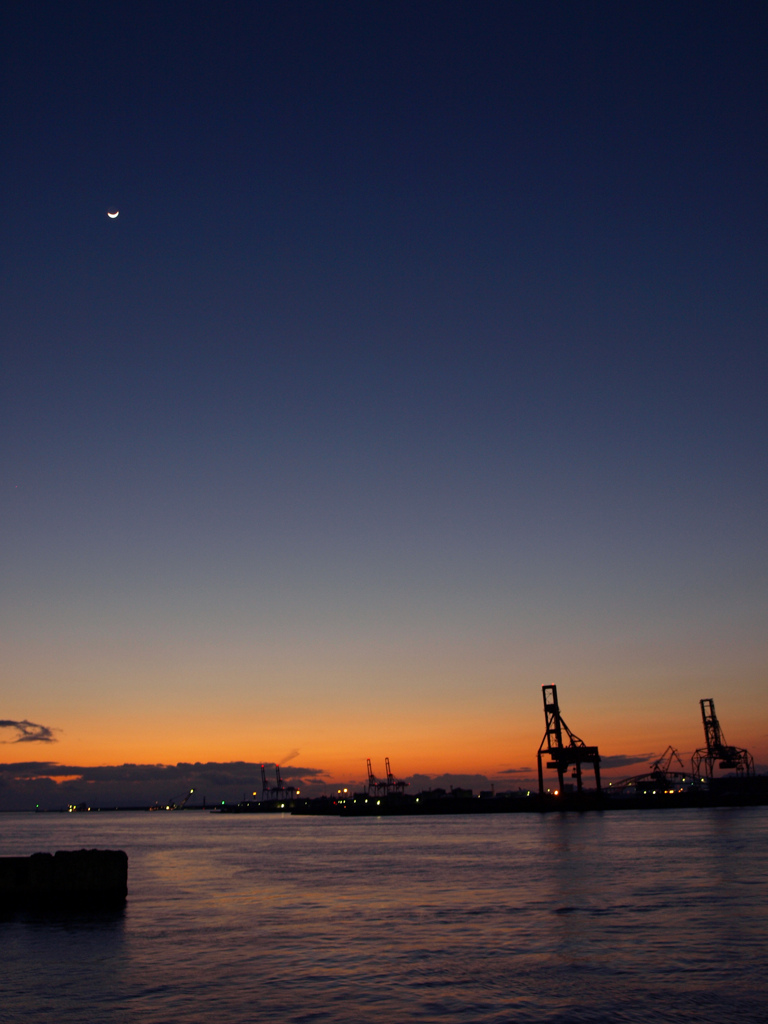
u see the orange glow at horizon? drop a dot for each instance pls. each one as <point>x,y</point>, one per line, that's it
<point>432,723</point>
<point>495,755</point>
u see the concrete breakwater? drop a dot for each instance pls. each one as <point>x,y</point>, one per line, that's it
<point>74,878</point>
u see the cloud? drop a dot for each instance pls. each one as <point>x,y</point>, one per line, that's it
<point>28,732</point>
<point>35,768</point>
<point>606,762</point>
<point>222,773</point>
<point>448,781</point>
<point>52,785</point>
<point>609,761</point>
<point>622,760</point>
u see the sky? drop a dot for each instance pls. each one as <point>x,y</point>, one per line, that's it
<point>424,366</point>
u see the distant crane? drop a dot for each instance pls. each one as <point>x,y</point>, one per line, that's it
<point>174,806</point>
<point>373,782</point>
<point>662,767</point>
<point>393,785</point>
<point>265,790</point>
<point>717,750</point>
<point>661,777</point>
<point>562,755</point>
<point>281,791</point>
<point>277,792</point>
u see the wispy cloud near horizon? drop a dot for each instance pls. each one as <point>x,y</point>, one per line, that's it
<point>624,760</point>
<point>606,761</point>
<point>27,732</point>
<point>224,772</point>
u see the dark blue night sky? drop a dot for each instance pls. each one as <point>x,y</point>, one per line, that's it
<point>424,365</point>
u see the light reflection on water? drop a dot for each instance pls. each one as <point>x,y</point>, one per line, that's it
<point>621,917</point>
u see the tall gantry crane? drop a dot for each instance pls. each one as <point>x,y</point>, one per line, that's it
<point>394,785</point>
<point>281,791</point>
<point>717,750</point>
<point>563,755</point>
<point>277,792</point>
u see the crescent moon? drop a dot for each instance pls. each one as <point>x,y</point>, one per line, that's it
<point>113,213</point>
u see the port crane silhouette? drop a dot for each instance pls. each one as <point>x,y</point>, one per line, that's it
<point>563,755</point>
<point>277,792</point>
<point>384,787</point>
<point>717,751</point>
<point>661,776</point>
<point>394,785</point>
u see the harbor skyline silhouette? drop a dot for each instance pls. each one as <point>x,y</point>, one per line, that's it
<point>719,774</point>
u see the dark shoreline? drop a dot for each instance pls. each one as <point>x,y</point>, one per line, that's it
<point>749,792</point>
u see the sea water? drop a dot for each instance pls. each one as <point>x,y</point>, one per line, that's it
<point>624,916</point>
